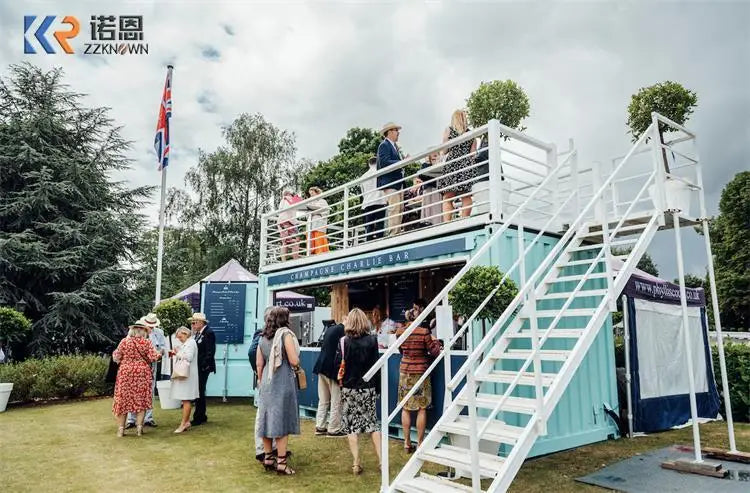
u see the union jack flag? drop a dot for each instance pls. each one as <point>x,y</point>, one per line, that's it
<point>161,140</point>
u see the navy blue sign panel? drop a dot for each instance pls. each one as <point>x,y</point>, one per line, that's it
<point>224,304</point>
<point>375,260</point>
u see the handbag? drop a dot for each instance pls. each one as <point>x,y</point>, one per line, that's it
<point>301,377</point>
<point>181,369</point>
<point>434,347</point>
<point>342,365</point>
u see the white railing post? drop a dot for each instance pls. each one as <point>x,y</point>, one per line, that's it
<point>628,380</point>
<point>661,173</point>
<point>385,468</point>
<point>686,336</point>
<point>497,183</point>
<point>471,388</point>
<point>263,240</point>
<point>308,232</point>
<point>551,165</point>
<point>576,181</point>
<point>448,397</point>
<point>615,196</point>
<point>346,218</point>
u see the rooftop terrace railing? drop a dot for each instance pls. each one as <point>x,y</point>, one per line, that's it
<point>476,178</point>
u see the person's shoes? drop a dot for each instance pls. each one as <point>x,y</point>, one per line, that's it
<point>129,425</point>
<point>356,469</point>
<point>320,431</point>
<point>151,423</point>
<point>337,434</point>
<point>138,430</point>
<point>198,422</point>
<point>120,431</point>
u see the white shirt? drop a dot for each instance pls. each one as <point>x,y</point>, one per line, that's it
<point>370,193</point>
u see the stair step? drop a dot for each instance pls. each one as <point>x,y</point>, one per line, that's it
<point>497,431</point>
<point>586,261</point>
<point>544,354</point>
<point>569,312</point>
<point>597,246</point>
<point>580,294</point>
<point>507,376</point>
<point>426,483</point>
<point>452,456</point>
<point>520,405</point>
<point>554,333</point>
<point>578,277</point>
<point>622,230</point>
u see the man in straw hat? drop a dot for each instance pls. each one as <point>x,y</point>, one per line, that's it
<point>206,341</point>
<point>156,336</point>
<point>391,183</point>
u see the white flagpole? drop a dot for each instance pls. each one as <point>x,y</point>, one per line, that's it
<point>160,247</point>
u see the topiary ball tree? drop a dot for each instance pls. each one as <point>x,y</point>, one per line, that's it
<point>173,314</point>
<point>503,100</point>
<point>475,286</point>
<point>14,326</point>
<point>667,98</point>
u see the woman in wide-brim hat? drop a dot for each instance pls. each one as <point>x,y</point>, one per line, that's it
<point>133,393</point>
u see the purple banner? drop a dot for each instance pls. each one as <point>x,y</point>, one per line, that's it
<point>662,292</point>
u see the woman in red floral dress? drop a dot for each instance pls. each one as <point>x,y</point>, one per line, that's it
<point>133,393</point>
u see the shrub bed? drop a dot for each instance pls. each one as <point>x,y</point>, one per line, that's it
<point>57,377</point>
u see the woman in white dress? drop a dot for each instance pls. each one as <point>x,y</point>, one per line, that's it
<point>185,389</point>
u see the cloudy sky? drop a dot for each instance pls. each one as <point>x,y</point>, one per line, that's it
<point>319,68</point>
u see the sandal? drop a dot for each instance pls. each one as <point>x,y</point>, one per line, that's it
<point>356,469</point>
<point>409,449</point>
<point>282,468</point>
<point>269,462</point>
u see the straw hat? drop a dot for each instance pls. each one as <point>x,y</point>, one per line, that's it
<point>151,320</point>
<point>389,126</point>
<point>198,317</point>
<point>140,324</point>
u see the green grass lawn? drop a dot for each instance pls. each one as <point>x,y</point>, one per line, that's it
<point>73,447</point>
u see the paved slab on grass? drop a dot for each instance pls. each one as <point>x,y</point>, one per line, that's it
<point>643,474</point>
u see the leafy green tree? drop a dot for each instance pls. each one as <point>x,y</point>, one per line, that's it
<point>503,100</point>
<point>340,169</point>
<point>173,314</point>
<point>693,281</point>
<point>667,98</point>
<point>475,286</point>
<point>730,237</point>
<point>188,257</point>
<point>360,141</point>
<point>231,187</point>
<point>13,325</point>
<point>66,227</point>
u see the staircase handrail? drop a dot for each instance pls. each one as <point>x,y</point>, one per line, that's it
<point>542,269</point>
<point>472,261</point>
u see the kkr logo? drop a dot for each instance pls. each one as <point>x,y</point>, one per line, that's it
<point>61,36</point>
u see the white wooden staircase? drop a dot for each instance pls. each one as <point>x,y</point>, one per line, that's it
<point>514,378</point>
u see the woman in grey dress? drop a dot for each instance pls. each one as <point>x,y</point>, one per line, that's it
<point>278,413</point>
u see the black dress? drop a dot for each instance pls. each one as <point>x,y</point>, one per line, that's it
<point>455,182</point>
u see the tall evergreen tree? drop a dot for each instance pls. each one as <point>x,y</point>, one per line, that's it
<point>66,228</point>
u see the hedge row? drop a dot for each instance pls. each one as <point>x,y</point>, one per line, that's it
<point>738,373</point>
<point>58,377</point>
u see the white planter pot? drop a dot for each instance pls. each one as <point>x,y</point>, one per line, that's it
<point>677,194</point>
<point>165,402</point>
<point>5,390</point>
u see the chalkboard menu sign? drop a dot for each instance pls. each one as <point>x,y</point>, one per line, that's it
<point>402,291</point>
<point>224,304</point>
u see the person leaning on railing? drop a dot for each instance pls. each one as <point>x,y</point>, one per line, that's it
<point>288,225</point>
<point>460,180</point>
<point>318,222</point>
<point>357,353</point>
<point>391,183</point>
<point>416,353</point>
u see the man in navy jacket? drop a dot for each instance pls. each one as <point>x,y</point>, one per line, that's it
<point>391,183</point>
